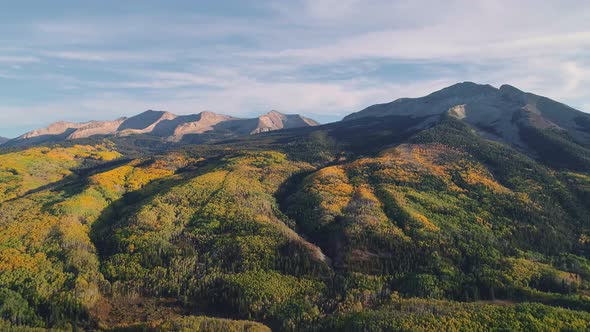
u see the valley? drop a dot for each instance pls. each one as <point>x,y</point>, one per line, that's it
<point>466,208</point>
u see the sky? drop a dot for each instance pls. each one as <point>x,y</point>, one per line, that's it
<point>100,60</point>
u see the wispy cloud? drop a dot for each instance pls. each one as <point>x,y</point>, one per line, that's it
<point>18,59</point>
<point>104,56</point>
<point>319,57</point>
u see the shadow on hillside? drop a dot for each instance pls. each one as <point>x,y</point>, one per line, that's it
<point>113,216</point>
<point>121,308</point>
<point>74,183</point>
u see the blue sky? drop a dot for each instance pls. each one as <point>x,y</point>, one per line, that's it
<point>84,60</point>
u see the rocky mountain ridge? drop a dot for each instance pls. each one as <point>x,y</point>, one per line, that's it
<point>166,125</point>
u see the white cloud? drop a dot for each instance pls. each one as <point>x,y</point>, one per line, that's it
<point>106,56</point>
<point>254,98</point>
<point>322,57</point>
<point>18,59</point>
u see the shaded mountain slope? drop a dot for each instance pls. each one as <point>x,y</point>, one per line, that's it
<point>438,188</point>
<point>496,113</point>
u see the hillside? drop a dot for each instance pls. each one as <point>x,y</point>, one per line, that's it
<point>164,125</point>
<point>413,220</point>
<point>3,140</point>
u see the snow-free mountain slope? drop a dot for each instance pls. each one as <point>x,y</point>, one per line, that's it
<point>165,125</point>
<point>94,128</point>
<point>498,113</point>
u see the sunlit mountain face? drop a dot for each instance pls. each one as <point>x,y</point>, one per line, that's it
<point>165,126</point>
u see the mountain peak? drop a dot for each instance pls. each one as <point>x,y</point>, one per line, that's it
<point>54,129</point>
<point>467,85</point>
<point>208,115</point>
<point>496,113</point>
<point>150,111</point>
<point>465,89</point>
<point>275,120</point>
<point>511,91</point>
<point>145,120</point>
<point>275,112</point>
<point>165,125</point>
<point>508,87</point>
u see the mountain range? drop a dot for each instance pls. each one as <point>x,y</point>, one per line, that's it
<point>165,125</point>
<point>467,209</point>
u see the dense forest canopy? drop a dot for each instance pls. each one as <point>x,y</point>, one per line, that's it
<point>407,223</point>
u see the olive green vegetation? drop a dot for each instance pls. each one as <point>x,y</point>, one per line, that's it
<point>196,324</point>
<point>362,225</point>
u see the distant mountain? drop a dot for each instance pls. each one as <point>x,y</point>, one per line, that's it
<point>168,126</point>
<point>505,114</point>
<point>3,140</point>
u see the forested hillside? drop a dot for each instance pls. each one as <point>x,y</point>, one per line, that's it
<point>396,223</point>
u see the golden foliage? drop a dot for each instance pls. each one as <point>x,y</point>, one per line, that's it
<point>525,272</point>
<point>411,162</point>
<point>331,185</point>
<point>35,167</point>
<point>12,259</point>
<point>425,222</point>
<point>58,219</point>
